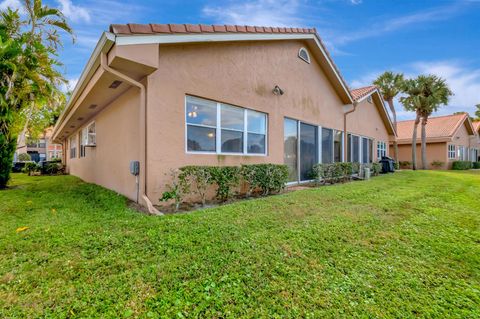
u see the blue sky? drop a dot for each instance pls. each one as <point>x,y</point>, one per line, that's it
<point>365,37</point>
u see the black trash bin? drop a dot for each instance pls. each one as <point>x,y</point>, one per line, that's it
<point>388,165</point>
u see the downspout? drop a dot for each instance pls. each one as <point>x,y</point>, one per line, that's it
<point>345,134</point>
<point>143,133</point>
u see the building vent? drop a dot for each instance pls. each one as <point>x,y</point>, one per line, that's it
<point>115,84</point>
<point>303,54</point>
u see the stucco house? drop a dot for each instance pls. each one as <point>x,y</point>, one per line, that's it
<point>449,138</point>
<point>40,149</point>
<point>169,95</point>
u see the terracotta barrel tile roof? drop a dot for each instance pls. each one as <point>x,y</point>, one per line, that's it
<point>357,94</point>
<point>132,28</point>
<point>476,126</point>
<point>437,127</point>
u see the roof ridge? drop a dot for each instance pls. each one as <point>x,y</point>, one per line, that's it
<point>435,117</point>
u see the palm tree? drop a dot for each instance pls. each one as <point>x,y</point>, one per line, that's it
<point>390,85</point>
<point>425,94</point>
<point>29,76</point>
<point>436,93</point>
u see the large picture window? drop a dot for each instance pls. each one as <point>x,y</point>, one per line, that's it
<point>364,150</point>
<point>355,149</point>
<point>214,127</point>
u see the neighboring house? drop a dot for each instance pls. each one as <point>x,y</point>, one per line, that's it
<point>475,141</point>
<point>449,138</point>
<point>41,149</point>
<point>175,95</point>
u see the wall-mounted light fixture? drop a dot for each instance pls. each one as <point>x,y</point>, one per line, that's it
<point>277,90</point>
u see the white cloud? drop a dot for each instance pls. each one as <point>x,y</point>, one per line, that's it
<point>391,24</point>
<point>279,13</point>
<point>355,2</point>
<point>74,12</point>
<point>12,4</point>
<point>463,81</point>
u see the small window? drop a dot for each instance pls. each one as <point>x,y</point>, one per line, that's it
<point>303,54</point>
<point>381,149</point>
<point>73,147</point>
<point>451,151</point>
<point>91,135</point>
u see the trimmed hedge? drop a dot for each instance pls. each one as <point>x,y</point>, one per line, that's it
<point>336,172</point>
<point>269,178</point>
<point>461,165</point>
<point>476,165</point>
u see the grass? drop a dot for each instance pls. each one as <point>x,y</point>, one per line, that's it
<point>398,246</point>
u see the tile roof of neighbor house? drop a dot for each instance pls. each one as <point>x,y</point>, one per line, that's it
<point>359,93</point>
<point>476,126</point>
<point>437,127</point>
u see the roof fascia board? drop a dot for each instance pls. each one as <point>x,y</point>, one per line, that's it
<point>104,44</point>
<point>226,37</point>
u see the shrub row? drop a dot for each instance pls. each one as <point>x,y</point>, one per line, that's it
<point>337,172</point>
<point>268,178</point>
<point>51,168</point>
<point>476,165</point>
<point>461,165</point>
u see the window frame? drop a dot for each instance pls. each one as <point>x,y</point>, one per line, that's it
<point>307,59</point>
<point>73,142</point>
<point>218,130</point>
<point>451,149</point>
<point>382,149</point>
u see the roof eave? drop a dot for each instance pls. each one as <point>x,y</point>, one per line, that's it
<point>104,44</point>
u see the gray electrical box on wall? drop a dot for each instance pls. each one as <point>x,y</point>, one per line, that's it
<point>135,168</point>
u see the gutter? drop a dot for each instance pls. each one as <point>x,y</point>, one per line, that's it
<point>143,132</point>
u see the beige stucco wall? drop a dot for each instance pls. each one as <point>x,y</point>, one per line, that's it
<point>241,74</point>
<point>435,152</point>
<point>117,138</point>
<point>366,121</point>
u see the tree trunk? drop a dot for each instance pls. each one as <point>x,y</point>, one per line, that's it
<point>394,115</point>
<point>424,143</point>
<point>414,142</point>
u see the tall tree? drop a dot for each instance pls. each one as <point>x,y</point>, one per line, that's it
<point>29,75</point>
<point>425,94</point>
<point>390,85</point>
<point>477,112</point>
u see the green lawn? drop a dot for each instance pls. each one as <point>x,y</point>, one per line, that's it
<point>398,246</point>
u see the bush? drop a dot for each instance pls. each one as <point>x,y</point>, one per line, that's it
<point>336,172</point>
<point>270,177</point>
<point>226,178</point>
<point>396,165</point>
<point>461,165</point>
<point>24,157</point>
<point>200,177</point>
<point>376,169</point>
<point>437,164</point>
<point>52,168</point>
<point>476,165</point>
<point>405,164</point>
<point>31,168</point>
<point>176,190</point>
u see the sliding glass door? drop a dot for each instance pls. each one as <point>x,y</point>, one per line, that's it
<point>308,150</point>
<point>290,146</point>
<point>300,149</point>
